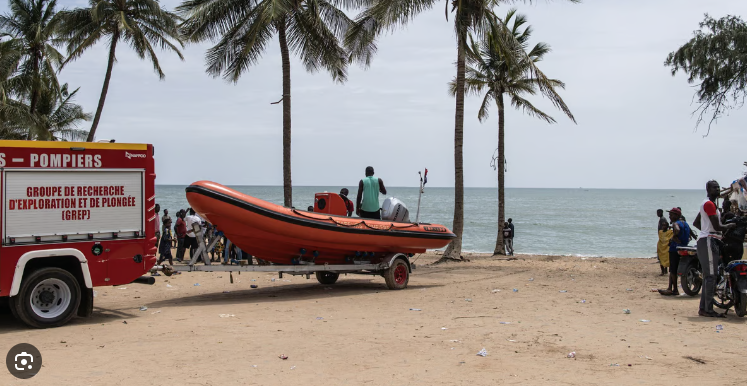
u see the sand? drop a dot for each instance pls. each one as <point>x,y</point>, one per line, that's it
<point>357,332</point>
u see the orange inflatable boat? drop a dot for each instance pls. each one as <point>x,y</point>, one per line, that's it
<point>290,236</point>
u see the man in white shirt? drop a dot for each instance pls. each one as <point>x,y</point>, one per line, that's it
<point>190,241</point>
<point>709,247</point>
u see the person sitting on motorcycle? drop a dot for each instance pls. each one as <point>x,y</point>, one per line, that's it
<point>709,247</point>
<point>680,238</point>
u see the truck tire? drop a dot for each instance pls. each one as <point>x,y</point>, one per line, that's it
<point>48,297</point>
<point>398,275</point>
<point>327,278</point>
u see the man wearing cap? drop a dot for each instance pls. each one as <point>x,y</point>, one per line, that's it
<point>680,238</point>
<point>709,247</point>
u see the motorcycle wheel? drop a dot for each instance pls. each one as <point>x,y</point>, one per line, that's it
<point>692,280</point>
<point>722,296</point>
<point>741,303</point>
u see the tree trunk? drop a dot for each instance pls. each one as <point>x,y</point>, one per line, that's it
<point>287,185</point>
<point>454,250</point>
<point>501,162</point>
<point>105,88</point>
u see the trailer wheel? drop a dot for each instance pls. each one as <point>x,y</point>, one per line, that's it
<point>398,275</point>
<point>327,278</point>
<point>48,297</point>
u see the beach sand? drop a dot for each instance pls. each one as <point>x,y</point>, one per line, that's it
<point>357,332</point>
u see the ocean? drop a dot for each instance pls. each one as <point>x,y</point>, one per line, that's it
<point>572,222</point>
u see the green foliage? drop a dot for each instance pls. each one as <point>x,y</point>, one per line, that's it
<point>501,64</point>
<point>243,29</point>
<point>716,57</point>
<point>142,24</point>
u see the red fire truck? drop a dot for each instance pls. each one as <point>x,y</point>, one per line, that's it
<point>75,215</point>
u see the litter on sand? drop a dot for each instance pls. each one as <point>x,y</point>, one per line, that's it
<point>645,320</point>
<point>169,285</point>
<point>531,279</point>
<point>226,315</point>
<point>483,353</point>
<point>468,300</point>
<point>511,340</point>
<point>628,289</point>
<point>496,290</point>
<point>197,284</point>
<point>571,354</point>
<point>516,290</point>
<point>719,327</point>
<point>283,357</point>
<point>583,301</point>
<point>615,364</point>
<point>253,286</point>
<point>562,291</point>
<point>444,328</point>
<point>293,367</point>
<point>319,318</point>
<point>225,292</point>
<point>122,288</point>
<point>626,311</point>
<point>95,293</point>
<point>143,308</point>
<point>157,312</point>
<point>415,309</point>
<point>505,322</point>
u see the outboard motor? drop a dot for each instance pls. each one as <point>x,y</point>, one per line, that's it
<point>394,210</point>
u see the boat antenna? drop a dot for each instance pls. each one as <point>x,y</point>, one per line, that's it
<point>420,192</point>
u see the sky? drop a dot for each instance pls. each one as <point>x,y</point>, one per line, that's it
<point>635,126</point>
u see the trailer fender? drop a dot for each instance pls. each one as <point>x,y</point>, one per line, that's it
<point>26,257</point>
<point>390,259</point>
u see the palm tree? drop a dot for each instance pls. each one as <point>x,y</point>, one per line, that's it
<point>142,24</point>
<point>56,118</point>
<point>29,59</point>
<point>508,72</point>
<point>311,29</point>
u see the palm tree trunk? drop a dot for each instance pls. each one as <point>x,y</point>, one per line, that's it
<point>500,162</point>
<point>287,186</point>
<point>105,88</point>
<point>454,250</point>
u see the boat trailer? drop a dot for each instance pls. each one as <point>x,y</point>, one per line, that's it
<point>394,267</point>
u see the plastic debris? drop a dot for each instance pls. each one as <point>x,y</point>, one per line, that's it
<point>283,357</point>
<point>645,320</point>
<point>562,291</point>
<point>293,367</point>
<point>253,286</point>
<point>531,279</point>
<point>628,289</point>
<point>483,352</point>
<point>496,290</point>
<point>468,299</point>
<point>444,328</point>
<point>505,322</point>
<point>511,340</point>
<point>124,322</point>
<point>626,311</point>
<point>143,308</point>
<point>415,309</point>
<point>254,279</point>
<point>95,293</point>
<point>226,315</point>
<point>169,285</point>
<point>157,312</point>
<point>319,318</point>
<point>571,354</point>
<point>583,301</point>
<point>255,366</point>
<point>273,279</point>
<point>615,364</point>
<point>455,340</point>
<point>197,284</point>
<point>719,327</point>
<point>122,288</point>
<point>516,290</point>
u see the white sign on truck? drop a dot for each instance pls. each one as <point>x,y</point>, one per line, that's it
<point>72,203</point>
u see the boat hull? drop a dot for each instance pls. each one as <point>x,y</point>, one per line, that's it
<point>289,236</point>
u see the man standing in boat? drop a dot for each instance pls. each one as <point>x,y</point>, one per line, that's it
<point>367,203</point>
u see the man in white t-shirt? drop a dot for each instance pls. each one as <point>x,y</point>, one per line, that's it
<point>190,241</point>
<point>709,247</point>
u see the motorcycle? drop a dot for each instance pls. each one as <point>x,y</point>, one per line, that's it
<point>731,280</point>
<point>689,270</point>
<point>731,287</point>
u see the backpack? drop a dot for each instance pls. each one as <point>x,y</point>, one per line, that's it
<point>683,238</point>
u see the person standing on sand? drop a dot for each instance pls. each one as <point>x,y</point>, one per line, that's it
<point>709,247</point>
<point>508,239</point>
<point>662,247</point>
<point>190,241</point>
<point>181,233</point>
<point>158,224</point>
<point>680,237</point>
<point>513,232</point>
<point>367,203</point>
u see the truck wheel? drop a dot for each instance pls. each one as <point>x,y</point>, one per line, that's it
<point>397,276</point>
<point>327,278</point>
<point>48,297</point>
